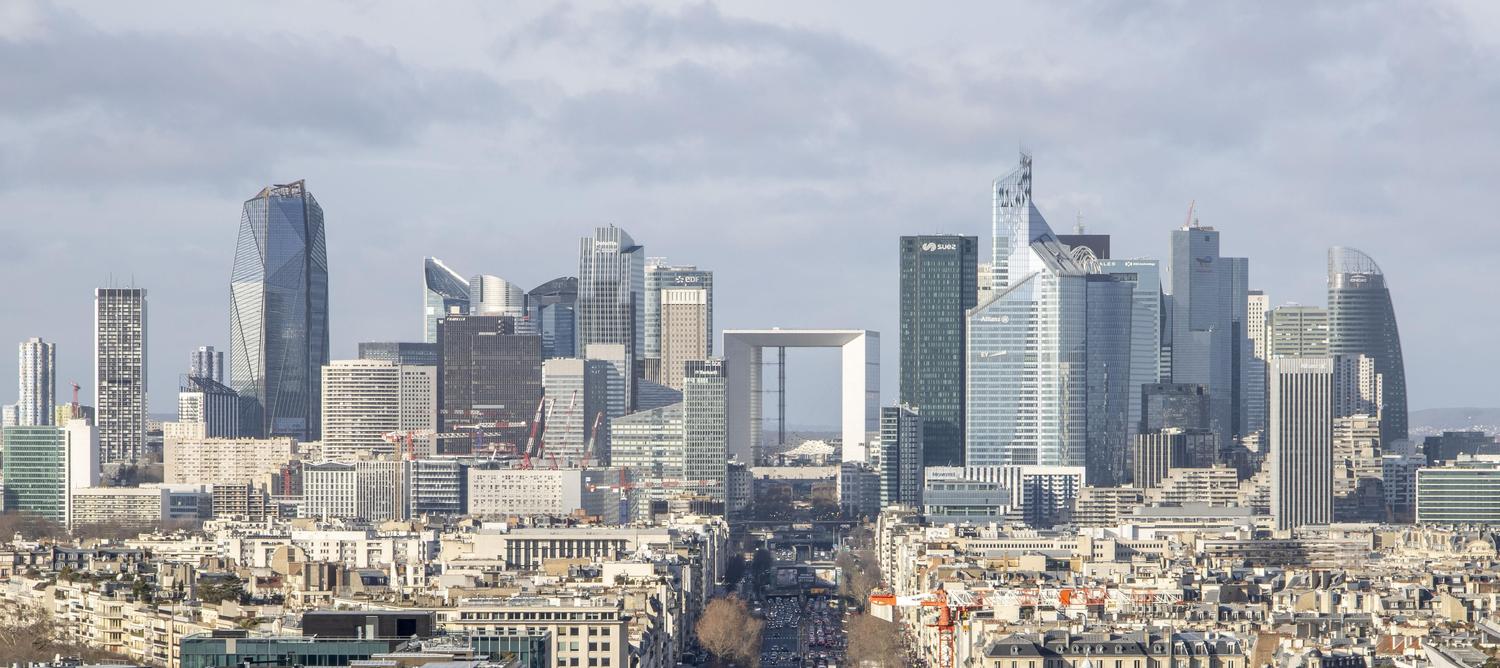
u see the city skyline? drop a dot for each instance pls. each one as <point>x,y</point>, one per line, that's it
<point>807,225</point>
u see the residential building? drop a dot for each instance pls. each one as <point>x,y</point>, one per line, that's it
<point>38,383</point>
<point>205,362</point>
<point>444,293</point>
<point>939,284</point>
<point>1301,440</point>
<point>143,508</point>
<point>216,405</point>
<point>194,458</point>
<point>120,372</point>
<point>278,339</point>
<point>1361,321</point>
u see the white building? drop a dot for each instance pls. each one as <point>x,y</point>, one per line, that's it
<point>1300,427</point>
<point>500,492</point>
<point>191,458</point>
<point>38,383</point>
<point>143,507</point>
<point>365,400</point>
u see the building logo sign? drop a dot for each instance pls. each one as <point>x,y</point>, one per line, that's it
<point>934,246</point>
<point>686,280</point>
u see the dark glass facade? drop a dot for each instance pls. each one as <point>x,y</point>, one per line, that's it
<point>554,304</point>
<point>1173,405</point>
<point>1362,321</point>
<point>279,313</point>
<point>405,353</point>
<point>490,381</point>
<point>1111,305</point>
<point>938,285</point>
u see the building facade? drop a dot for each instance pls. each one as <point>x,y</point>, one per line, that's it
<point>489,376</point>
<point>444,293</point>
<point>1362,321</point>
<point>205,362</point>
<point>554,306</point>
<point>575,392</point>
<point>1301,440</point>
<point>939,284</point>
<point>611,297</point>
<point>694,330</point>
<point>901,459</point>
<point>278,339</point>
<point>705,429</point>
<point>37,383</point>
<point>42,465</point>
<point>364,401</point>
<point>1297,331</point>
<point>120,372</point>
<point>214,404</point>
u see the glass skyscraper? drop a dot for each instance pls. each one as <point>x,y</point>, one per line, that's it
<point>611,297</point>
<point>279,313</point>
<point>1026,352</point>
<point>1361,321</point>
<point>1145,328</point>
<point>1203,316</point>
<point>1110,321</point>
<point>444,293</point>
<point>554,305</point>
<point>490,379</point>
<point>938,286</point>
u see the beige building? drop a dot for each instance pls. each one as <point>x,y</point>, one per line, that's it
<point>213,461</point>
<point>364,400</point>
<point>500,492</point>
<point>684,326</point>
<point>141,507</point>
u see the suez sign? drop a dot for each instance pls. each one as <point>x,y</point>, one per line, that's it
<point>931,246</point>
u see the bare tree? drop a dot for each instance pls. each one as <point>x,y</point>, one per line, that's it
<point>873,643</point>
<point>29,633</point>
<point>728,631</point>
<point>31,527</point>
<point>860,576</point>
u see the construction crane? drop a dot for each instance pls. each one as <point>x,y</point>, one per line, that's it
<point>533,439</point>
<point>592,440</point>
<point>1190,224</point>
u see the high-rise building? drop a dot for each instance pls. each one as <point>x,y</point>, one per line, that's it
<point>1357,387</point>
<point>1160,451</point>
<point>1145,327</point>
<point>43,464</point>
<point>683,316</point>
<point>366,400</point>
<point>1361,321</point>
<point>444,293</point>
<point>120,372</point>
<point>901,460</point>
<point>1097,244</point>
<point>1300,428</point>
<point>705,428</point>
<point>939,281</point>
<point>1026,394</point>
<point>1201,288</point>
<point>492,295</point>
<point>402,352</point>
<point>650,445</point>
<point>1297,331</point>
<point>554,306</point>
<point>278,338</point>
<point>205,362</point>
<point>984,279</point>
<point>661,276</point>
<point>611,297</point>
<point>216,405</point>
<point>38,383</point>
<point>1358,469</point>
<point>1180,405</point>
<point>1257,306</point>
<point>10,415</point>
<point>575,391</point>
<point>1108,338</point>
<point>616,401</point>
<point>489,375</point>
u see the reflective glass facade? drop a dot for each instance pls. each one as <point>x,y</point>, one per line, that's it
<point>1110,312</point>
<point>1201,287</point>
<point>1464,493</point>
<point>1145,327</point>
<point>939,275</point>
<point>279,313</point>
<point>1362,321</point>
<point>554,305</point>
<point>444,293</point>
<point>611,296</point>
<point>36,471</point>
<point>489,376</point>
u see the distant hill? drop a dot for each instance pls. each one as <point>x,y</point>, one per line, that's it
<point>1436,420</point>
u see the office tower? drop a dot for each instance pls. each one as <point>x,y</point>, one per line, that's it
<point>1451,445</point>
<point>489,375</point>
<point>444,293</point>
<point>1357,387</point>
<point>661,276</point>
<point>901,458</point>
<point>492,295</point>
<point>435,487</point>
<point>205,362</point>
<point>984,279</point>
<point>43,464</point>
<point>367,402</point>
<point>1157,452</point>
<point>651,446</point>
<point>278,338</point>
<point>554,306</point>
<point>120,372</point>
<point>1180,405</point>
<point>1201,286</point>
<point>1300,427</point>
<point>1361,321</point>
<point>611,297</point>
<point>683,316</point>
<point>1145,327</point>
<point>216,405</point>
<point>1464,493</point>
<point>939,283</point>
<point>10,415</point>
<point>575,391</point>
<point>38,383</point>
<point>1257,308</point>
<point>1098,244</point>
<point>616,400</point>
<point>1110,323</point>
<point>1297,331</point>
<point>1026,394</point>
<point>401,352</point>
<point>705,429</point>
<point>1247,382</point>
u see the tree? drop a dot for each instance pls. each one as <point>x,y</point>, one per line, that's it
<point>29,633</point>
<point>873,643</point>
<point>728,631</point>
<point>860,575</point>
<point>222,589</point>
<point>31,527</point>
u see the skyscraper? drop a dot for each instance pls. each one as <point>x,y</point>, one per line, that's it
<point>1361,321</point>
<point>44,464</point>
<point>901,458</point>
<point>575,390</point>
<point>364,400</point>
<point>611,297</point>
<point>705,428</point>
<point>1297,331</point>
<point>554,305</point>
<point>38,383</point>
<point>1301,440</point>
<point>1108,356</point>
<point>489,375</point>
<point>205,362</point>
<point>683,315</point>
<point>939,284</point>
<point>1145,327</point>
<point>444,293</point>
<point>1202,293</point>
<point>212,403</point>
<point>1257,305</point>
<point>120,372</point>
<point>660,276</point>
<point>278,315</point>
<point>492,295</point>
<point>1026,393</point>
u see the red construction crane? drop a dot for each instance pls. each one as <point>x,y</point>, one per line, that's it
<point>592,440</point>
<point>534,438</point>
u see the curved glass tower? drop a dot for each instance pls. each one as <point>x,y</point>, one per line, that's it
<point>444,293</point>
<point>1361,321</point>
<point>278,313</point>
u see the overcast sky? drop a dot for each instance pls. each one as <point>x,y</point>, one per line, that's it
<point>785,145</point>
